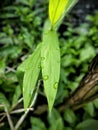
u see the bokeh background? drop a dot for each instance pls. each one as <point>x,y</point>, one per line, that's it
<point>21,27</point>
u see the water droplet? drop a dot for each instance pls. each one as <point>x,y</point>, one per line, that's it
<point>42,58</point>
<point>45,77</point>
<point>55,85</point>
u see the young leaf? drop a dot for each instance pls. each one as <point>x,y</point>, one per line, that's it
<point>31,67</point>
<point>56,9</point>
<point>59,8</point>
<point>50,63</point>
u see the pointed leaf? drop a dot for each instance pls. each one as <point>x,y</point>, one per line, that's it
<point>31,76</point>
<point>59,8</point>
<point>56,9</point>
<point>27,64</point>
<point>50,63</point>
<point>31,67</point>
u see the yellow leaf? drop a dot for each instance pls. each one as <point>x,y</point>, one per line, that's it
<point>56,9</point>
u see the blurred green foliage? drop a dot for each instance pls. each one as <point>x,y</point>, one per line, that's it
<point>21,24</point>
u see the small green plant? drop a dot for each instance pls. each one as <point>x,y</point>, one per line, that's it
<point>46,57</point>
<point>20,33</point>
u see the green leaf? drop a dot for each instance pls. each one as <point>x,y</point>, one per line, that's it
<point>87,53</point>
<point>68,128</point>
<point>59,8</point>
<point>31,67</point>
<point>53,116</point>
<point>95,102</point>
<point>2,66</point>
<point>11,51</point>
<point>37,124</point>
<point>16,95</point>
<point>58,125</point>
<point>28,38</point>
<point>56,8</point>
<point>50,63</point>
<point>89,124</point>
<point>55,120</point>
<point>89,108</point>
<point>70,117</point>
<point>3,100</point>
<point>27,64</point>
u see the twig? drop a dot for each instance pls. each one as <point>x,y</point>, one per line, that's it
<point>1,124</point>
<point>27,111</point>
<point>1,114</point>
<point>3,117</point>
<point>9,69</point>
<point>19,101</point>
<point>21,119</point>
<point>8,117</point>
<point>4,113</point>
<point>20,111</point>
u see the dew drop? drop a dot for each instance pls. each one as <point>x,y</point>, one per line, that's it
<point>42,58</point>
<point>55,85</point>
<point>45,77</point>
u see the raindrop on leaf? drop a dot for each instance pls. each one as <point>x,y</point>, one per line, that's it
<point>55,85</point>
<point>42,58</point>
<point>45,77</point>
